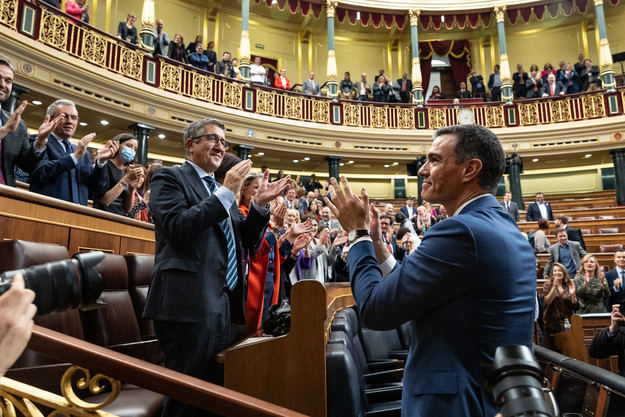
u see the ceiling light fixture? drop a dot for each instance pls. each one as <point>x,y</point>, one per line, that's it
<point>36,102</point>
<point>350,162</point>
<point>104,122</point>
<point>295,161</point>
<point>307,158</point>
<point>386,165</point>
<point>260,153</point>
<point>83,123</point>
<point>341,164</point>
<point>535,160</point>
<point>357,15</point>
<point>395,163</point>
<point>588,155</point>
<point>161,136</point>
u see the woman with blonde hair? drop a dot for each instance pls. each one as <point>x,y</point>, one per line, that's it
<point>591,286</point>
<point>560,301</point>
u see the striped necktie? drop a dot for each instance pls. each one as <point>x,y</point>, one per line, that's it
<point>232,272</point>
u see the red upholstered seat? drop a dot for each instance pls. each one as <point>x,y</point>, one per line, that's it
<point>586,218</point>
<point>139,280</point>
<point>608,230</point>
<point>610,248</point>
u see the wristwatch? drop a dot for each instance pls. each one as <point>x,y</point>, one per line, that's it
<point>356,234</point>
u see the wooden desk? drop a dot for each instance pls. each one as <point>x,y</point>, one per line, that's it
<point>592,225</point>
<point>37,218</point>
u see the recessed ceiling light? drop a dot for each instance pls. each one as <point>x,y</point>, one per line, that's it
<point>161,136</point>
<point>104,122</point>
<point>83,123</point>
<point>535,160</point>
<point>386,165</point>
<point>341,164</point>
<point>249,156</point>
<point>350,162</point>
<point>295,161</point>
<point>588,155</point>
<point>395,163</point>
<point>307,158</point>
<point>260,153</point>
<point>36,102</point>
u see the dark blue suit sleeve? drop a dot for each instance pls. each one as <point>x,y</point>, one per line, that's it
<point>439,271</point>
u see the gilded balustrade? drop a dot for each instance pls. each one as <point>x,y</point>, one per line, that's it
<point>92,46</point>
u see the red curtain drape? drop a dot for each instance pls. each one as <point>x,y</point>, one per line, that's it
<point>458,53</point>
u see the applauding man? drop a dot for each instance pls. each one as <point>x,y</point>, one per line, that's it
<point>451,287</point>
<point>197,297</point>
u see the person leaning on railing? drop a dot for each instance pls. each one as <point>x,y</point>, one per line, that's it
<point>176,49</point>
<point>127,30</point>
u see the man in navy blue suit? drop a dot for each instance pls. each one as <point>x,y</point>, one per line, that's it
<point>66,171</point>
<point>540,209</point>
<point>469,288</point>
<point>616,281</point>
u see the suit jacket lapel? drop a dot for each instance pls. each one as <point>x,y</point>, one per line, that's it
<point>195,181</point>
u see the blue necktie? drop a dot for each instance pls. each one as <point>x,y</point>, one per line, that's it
<point>72,174</point>
<point>231,274</point>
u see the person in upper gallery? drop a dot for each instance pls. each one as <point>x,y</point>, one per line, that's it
<point>436,286</point>
<point>534,84</point>
<point>518,85</point>
<point>346,86</point>
<point>281,81</point>
<point>539,209</point>
<point>477,85</point>
<point>561,69</point>
<point>590,77</point>
<point>66,171</point>
<point>553,88</point>
<point>579,65</point>
<point>510,206</point>
<point>127,31</point>
<point>616,280</point>
<point>567,253</point>
<point>494,84</point>
<point>161,39</point>
<point>177,50</point>
<point>405,88</point>
<point>570,79</point>
<point>313,184</point>
<point>198,59</point>
<point>78,10</point>
<point>462,91</point>
<point>363,89</point>
<point>380,89</point>
<point>15,148</point>
<point>436,94</point>
<point>197,296</point>
<point>380,74</point>
<point>224,67</point>
<point>591,286</point>
<point>258,73</point>
<point>547,69</point>
<point>310,86</point>
<point>117,196</point>
<point>235,67</point>
<point>211,55</point>
<point>191,46</point>
<point>572,233</point>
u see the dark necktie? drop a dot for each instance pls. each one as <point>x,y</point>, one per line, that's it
<point>231,273</point>
<point>73,178</point>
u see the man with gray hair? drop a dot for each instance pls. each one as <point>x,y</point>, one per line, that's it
<point>66,171</point>
<point>197,296</point>
<point>15,148</point>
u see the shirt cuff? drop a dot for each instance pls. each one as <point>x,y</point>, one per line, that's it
<point>388,265</point>
<point>74,158</point>
<point>264,211</point>
<point>100,165</point>
<point>226,197</point>
<point>39,152</point>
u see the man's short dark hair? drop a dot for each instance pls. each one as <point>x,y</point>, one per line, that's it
<point>410,198</point>
<point>563,219</point>
<point>538,193</point>
<point>5,61</point>
<point>386,216</point>
<point>477,142</point>
<point>560,230</point>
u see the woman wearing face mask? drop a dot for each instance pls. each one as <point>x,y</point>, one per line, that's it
<point>115,197</point>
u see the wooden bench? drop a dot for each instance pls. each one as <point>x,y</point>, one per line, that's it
<point>592,225</point>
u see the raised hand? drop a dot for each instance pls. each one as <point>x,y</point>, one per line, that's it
<point>299,228</point>
<point>236,175</point>
<point>278,211</point>
<point>339,240</point>
<point>48,127</point>
<point>81,146</point>
<point>301,242</point>
<point>133,175</point>
<point>109,150</point>
<point>268,191</point>
<point>572,288</point>
<point>351,211</point>
<point>374,224</point>
<point>13,121</point>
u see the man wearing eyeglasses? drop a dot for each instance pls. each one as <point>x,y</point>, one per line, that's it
<point>197,296</point>
<point>66,171</point>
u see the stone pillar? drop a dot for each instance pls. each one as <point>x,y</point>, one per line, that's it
<point>333,166</point>
<point>419,163</point>
<point>148,22</point>
<point>244,151</point>
<point>618,156</point>
<point>514,176</point>
<point>504,65</point>
<point>244,60</point>
<point>331,70</point>
<point>14,99</point>
<point>417,81</point>
<point>142,133</point>
<point>605,57</point>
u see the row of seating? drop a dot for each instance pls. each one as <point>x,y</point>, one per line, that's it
<point>117,324</point>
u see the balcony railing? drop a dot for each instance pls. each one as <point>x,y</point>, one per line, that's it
<point>77,39</point>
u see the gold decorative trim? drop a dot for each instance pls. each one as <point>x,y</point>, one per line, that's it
<point>93,384</point>
<point>414,16</point>
<point>499,13</point>
<point>8,13</point>
<point>331,6</point>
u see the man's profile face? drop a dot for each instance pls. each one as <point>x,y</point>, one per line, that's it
<point>507,196</point>
<point>6,82</point>
<point>67,127</point>
<point>540,198</point>
<point>619,259</point>
<point>442,180</point>
<point>562,238</point>
<point>207,154</point>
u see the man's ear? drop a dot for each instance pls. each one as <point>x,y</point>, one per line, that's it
<point>472,170</point>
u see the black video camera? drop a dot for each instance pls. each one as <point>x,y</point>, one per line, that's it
<point>515,380</point>
<point>60,285</point>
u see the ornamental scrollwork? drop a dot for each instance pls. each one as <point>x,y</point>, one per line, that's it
<point>93,48</point>
<point>171,77</point>
<point>351,115</point>
<point>265,102</point>
<point>131,63</point>
<point>593,106</point>
<point>405,118</point>
<point>202,87</point>
<point>8,13</point>
<point>494,116</point>
<point>53,30</point>
<point>94,384</point>
<point>528,114</point>
<point>293,107</point>
<point>438,118</point>
<point>379,117</point>
<point>560,111</point>
<point>233,95</point>
<point>320,111</point>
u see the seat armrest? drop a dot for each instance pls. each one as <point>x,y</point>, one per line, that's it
<point>387,365</point>
<point>382,395</point>
<point>395,375</point>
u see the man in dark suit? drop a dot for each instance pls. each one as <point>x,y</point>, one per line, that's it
<point>66,171</point>
<point>224,67</point>
<point>463,92</point>
<point>616,281</point>
<point>15,149</point>
<point>519,79</point>
<point>567,252</point>
<point>510,206</point>
<point>197,296</point>
<point>611,341</point>
<point>572,233</point>
<point>405,88</point>
<point>477,85</point>
<point>494,84</point>
<point>540,209</point>
<point>409,210</point>
<point>310,86</point>
<point>553,88</point>
<point>590,76</point>
<point>436,286</point>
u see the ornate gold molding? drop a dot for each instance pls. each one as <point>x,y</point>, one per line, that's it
<point>331,7</point>
<point>8,13</point>
<point>414,16</point>
<point>598,3</point>
<point>499,13</point>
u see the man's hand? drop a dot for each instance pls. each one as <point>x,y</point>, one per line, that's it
<point>616,319</point>
<point>48,127</point>
<point>352,212</point>
<point>301,242</point>
<point>278,212</point>
<point>339,240</point>
<point>268,191</point>
<point>109,151</point>
<point>617,283</point>
<point>16,322</point>
<point>13,121</point>
<point>81,146</point>
<point>375,228</point>
<point>298,229</point>
<point>236,175</point>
